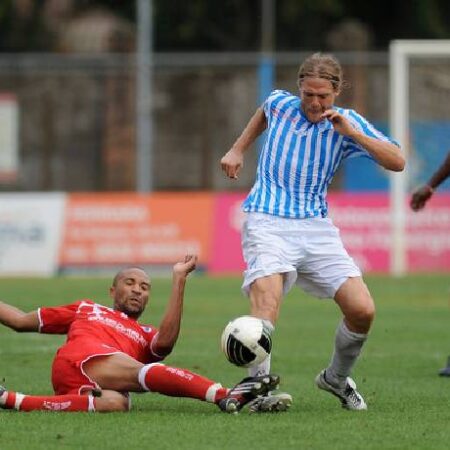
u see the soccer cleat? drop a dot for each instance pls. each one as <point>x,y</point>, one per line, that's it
<point>272,402</point>
<point>246,391</point>
<point>445,372</point>
<point>349,396</point>
<point>3,397</point>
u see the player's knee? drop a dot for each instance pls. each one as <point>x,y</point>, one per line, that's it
<point>366,314</point>
<point>362,316</point>
<point>112,403</point>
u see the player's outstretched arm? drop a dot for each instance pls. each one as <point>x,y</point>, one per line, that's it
<point>421,195</point>
<point>233,161</point>
<point>17,319</point>
<point>386,154</point>
<point>169,327</point>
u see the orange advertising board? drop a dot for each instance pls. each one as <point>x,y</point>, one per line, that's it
<point>128,228</point>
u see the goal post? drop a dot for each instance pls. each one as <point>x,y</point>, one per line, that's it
<point>401,52</point>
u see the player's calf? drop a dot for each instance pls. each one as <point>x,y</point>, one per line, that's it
<point>111,401</point>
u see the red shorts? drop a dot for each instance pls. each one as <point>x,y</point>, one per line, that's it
<point>68,376</point>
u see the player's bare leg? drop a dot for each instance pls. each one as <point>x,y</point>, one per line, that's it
<point>110,401</point>
<point>266,294</point>
<point>356,304</point>
<point>358,308</point>
<point>265,301</point>
<point>265,297</point>
<point>120,372</point>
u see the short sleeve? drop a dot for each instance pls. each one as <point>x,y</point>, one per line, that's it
<point>151,335</point>
<point>271,101</point>
<point>57,320</point>
<point>353,149</point>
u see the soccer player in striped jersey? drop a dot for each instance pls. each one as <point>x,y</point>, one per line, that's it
<point>287,237</point>
<point>108,353</point>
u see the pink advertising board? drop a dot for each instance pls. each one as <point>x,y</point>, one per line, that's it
<point>226,255</point>
<point>365,225</point>
<point>428,236</point>
<point>364,220</point>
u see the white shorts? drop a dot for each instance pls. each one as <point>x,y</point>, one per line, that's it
<point>309,252</point>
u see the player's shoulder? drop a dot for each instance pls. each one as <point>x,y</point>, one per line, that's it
<point>351,114</point>
<point>344,111</point>
<point>75,304</point>
<point>85,302</point>
<point>88,304</point>
<point>280,101</point>
<point>282,94</point>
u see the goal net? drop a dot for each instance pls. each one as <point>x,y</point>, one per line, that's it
<point>420,121</point>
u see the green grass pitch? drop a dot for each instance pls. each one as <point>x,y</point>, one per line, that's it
<point>409,405</point>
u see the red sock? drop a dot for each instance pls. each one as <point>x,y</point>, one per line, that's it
<point>65,403</point>
<point>180,383</point>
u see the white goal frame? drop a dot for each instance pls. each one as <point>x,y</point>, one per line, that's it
<point>400,53</point>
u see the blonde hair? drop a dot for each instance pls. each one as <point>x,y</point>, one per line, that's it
<point>322,65</point>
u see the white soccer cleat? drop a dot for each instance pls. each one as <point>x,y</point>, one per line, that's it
<point>270,403</point>
<point>349,396</point>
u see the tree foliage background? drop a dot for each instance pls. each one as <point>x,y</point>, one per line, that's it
<point>230,25</point>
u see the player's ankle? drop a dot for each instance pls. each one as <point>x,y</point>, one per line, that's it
<point>7,399</point>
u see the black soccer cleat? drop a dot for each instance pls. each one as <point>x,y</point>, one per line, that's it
<point>445,372</point>
<point>246,391</point>
<point>2,396</point>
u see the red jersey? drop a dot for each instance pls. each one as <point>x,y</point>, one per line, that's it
<point>90,326</point>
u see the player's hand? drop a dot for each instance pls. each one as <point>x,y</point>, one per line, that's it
<point>186,267</point>
<point>340,123</point>
<point>232,163</point>
<point>420,197</point>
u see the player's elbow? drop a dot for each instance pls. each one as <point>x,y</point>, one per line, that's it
<point>163,350</point>
<point>397,165</point>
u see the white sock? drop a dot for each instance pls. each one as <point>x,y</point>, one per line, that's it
<point>261,369</point>
<point>264,367</point>
<point>210,395</point>
<point>347,347</point>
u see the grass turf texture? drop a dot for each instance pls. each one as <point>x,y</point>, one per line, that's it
<point>409,405</point>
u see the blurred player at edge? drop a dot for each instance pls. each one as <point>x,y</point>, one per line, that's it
<point>418,201</point>
<point>108,353</point>
<point>287,236</point>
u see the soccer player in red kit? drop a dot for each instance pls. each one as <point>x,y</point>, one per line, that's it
<point>108,353</point>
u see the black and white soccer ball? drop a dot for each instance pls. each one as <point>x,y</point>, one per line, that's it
<point>246,341</point>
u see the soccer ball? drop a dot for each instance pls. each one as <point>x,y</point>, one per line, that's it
<point>246,341</point>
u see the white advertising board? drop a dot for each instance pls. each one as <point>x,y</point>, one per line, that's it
<point>30,233</point>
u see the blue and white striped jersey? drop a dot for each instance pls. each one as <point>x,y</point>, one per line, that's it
<point>300,158</point>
